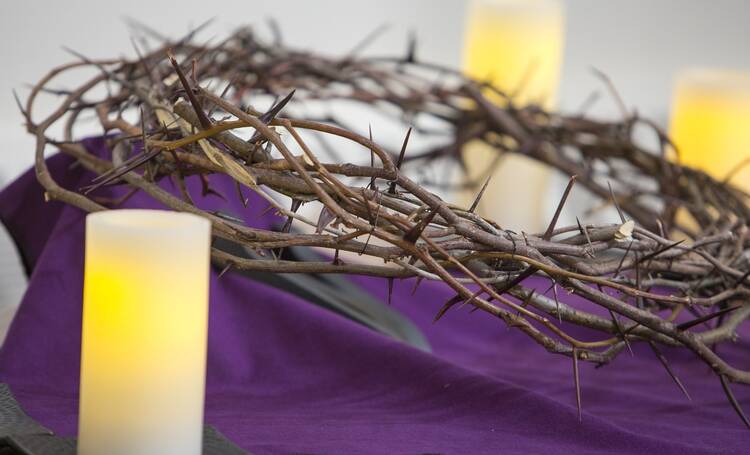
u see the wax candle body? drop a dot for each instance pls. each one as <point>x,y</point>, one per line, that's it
<point>710,122</point>
<point>516,45</point>
<point>145,318</point>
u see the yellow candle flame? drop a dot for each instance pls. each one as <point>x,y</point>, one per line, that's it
<point>517,46</point>
<point>710,122</point>
<point>145,318</point>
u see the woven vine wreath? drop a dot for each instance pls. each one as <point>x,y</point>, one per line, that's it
<point>192,104</point>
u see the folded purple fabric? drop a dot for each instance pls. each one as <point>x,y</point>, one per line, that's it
<point>285,376</point>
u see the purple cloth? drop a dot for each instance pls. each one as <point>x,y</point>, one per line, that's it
<point>285,376</point>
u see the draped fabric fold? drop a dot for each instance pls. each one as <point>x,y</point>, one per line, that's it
<point>285,376</point>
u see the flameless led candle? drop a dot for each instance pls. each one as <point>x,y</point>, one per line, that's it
<point>710,122</point>
<point>516,45</point>
<point>145,322</point>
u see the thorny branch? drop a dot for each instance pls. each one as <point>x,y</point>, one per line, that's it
<point>634,269</point>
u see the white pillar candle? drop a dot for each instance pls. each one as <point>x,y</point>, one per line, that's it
<point>145,322</point>
<point>710,122</point>
<point>516,45</point>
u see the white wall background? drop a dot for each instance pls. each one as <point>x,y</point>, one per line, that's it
<point>638,43</point>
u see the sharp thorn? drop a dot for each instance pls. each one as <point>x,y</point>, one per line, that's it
<point>416,284</point>
<point>202,118</point>
<point>392,187</point>
<point>577,381</point>
<point>733,401</point>
<point>413,234</point>
<point>548,234</point>
<point>480,194</point>
<point>614,201</point>
<point>225,269</point>
<point>665,363</point>
<point>708,317</point>
<point>447,306</point>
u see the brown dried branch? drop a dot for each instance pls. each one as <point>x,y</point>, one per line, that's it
<point>420,235</point>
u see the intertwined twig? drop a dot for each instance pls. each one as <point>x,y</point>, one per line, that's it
<point>634,268</point>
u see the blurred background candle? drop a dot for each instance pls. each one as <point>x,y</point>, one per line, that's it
<point>710,122</point>
<point>145,316</point>
<point>516,45</point>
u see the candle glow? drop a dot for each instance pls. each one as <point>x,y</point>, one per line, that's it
<point>710,123</point>
<point>145,317</point>
<point>517,46</point>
